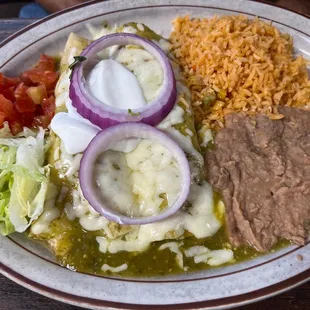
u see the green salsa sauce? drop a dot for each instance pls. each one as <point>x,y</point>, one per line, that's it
<point>77,249</point>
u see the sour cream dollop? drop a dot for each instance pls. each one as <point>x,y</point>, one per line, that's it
<point>113,84</point>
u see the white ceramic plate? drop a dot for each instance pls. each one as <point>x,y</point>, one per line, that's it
<point>32,266</point>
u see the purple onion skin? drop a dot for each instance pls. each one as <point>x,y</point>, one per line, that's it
<point>102,143</point>
<point>151,120</point>
<point>104,118</point>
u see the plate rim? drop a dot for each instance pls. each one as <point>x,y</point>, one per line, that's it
<point>92,303</point>
<point>222,303</point>
<point>90,2</point>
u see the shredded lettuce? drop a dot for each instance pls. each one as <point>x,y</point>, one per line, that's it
<point>6,181</point>
<point>23,181</point>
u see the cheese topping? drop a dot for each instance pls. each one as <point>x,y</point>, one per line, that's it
<point>140,183</point>
<point>205,135</point>
<point>198,220</point>
<point>174,247</point>
<point>145,67</point>
<point>120,268</point>
<point>202,254</point>
<point>215,258</point>
<point>173,118</point>
<point>50,211</point>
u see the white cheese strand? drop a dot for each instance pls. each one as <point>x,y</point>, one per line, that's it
<point>174,247</point>
<point>120,268</point>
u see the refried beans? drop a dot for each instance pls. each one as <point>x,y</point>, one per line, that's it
<point>261,167</point>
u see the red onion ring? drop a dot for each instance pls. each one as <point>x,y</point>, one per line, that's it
<point>105,116</point>
<point>103,142</point>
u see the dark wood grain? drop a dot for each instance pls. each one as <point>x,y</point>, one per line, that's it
<point>10,26</point>
<point>15,297</point>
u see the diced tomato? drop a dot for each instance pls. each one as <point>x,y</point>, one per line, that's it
<point>15,115</point>
<point>23,102</point>
<point>41,121</point>
<point>16,127</point>
<point>51,92</point>
<point>25,79</point>
<point>29,100</point>
<point>6,82</point>
<point>48,106</point>
<point>27,118</point>
<point>38,76</point>
<point>20,92</point>
<point>37,93</point>
<point>46,63</point>
<point>2,118</point>
<point>25,106</point>
<point>6,106</point>
<point>9,93</point>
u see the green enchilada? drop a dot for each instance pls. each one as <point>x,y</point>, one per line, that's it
<point>85,241</point>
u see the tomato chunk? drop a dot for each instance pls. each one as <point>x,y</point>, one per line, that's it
<point>2,118</point>
<point>39,76</point>
<point>41,121</point>
<point>20,92</point>
<point>46,63</point>
<point>23,102</point>
<point>6,82</point>
<point>48,106</point>
<point>9,93</point>
<point>6,106</point>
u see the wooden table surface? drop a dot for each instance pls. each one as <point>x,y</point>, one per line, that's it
<point>15,297</point>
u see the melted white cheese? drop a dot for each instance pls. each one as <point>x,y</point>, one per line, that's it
<point>42,224</point>
<point>125,145</point>
<point>196,250</point>
<point>114,85</point>
<point>189,132</point>
<point>164,44</point>
<point>198,220</point>
<point>114,184</point>
<point>50,211</point>
<point>140,27</point>
<point>120,268</point>
<point>118,245</point>
<point>136,181</point>
<point>89,219</point>
<point>174,247</point>
<point>63,193</point>
<point>173,118</point>
<point>97,32</point>
<point>185,143</point>
<point>145,67</point>
<point>205,135</point>
<point>129,29</point>
<point>202,254</point>
<point>67,164</point>
<point>62,89</point>
<point>94,223</point>
<point>215,258</point>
